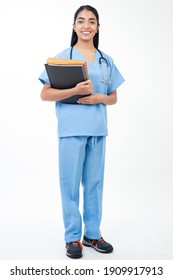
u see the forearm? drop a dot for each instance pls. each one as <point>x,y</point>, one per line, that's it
<point>51,94</point>
<point>110,99</point>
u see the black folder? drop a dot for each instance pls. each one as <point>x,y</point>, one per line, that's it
<point>66,73</point>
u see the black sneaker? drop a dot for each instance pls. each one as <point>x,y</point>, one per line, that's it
<point>99,245</point>
<point>74,249</point>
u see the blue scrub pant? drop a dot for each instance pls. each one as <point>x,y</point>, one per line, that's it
<point>81,160</point>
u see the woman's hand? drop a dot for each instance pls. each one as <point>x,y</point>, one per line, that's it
<point>93,98</point>
<point>96,98</point>
<point>84,87</point>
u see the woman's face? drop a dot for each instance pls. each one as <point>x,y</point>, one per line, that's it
<point>86,25</point>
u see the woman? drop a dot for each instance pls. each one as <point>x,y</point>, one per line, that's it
<point>82,131</point>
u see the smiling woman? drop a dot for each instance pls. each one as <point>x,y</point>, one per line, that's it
<point>82,131</point>
<point>86,26</point>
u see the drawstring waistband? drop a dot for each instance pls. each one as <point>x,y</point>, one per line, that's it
<point>92,141</point>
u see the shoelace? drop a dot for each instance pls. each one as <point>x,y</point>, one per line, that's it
<point>76,243</point>
<point>94,241</point>
<point>101,240</point>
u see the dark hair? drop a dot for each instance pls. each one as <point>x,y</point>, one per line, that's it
<point>74,37</point>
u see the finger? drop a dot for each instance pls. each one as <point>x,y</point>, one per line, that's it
<point>87,82</point>
<point>83,100</point>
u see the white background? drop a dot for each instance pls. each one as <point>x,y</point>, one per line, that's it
<point>138,208</point>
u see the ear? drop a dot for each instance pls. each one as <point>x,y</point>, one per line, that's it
<point>74,27</point>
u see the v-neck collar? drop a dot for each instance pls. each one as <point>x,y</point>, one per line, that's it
<point>91,63</point>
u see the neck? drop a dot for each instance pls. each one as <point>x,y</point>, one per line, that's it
<point>85,46</point>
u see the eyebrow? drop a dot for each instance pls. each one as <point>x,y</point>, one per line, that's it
<point>84,18</point>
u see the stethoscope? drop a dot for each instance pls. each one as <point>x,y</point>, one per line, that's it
<point>102,60</point>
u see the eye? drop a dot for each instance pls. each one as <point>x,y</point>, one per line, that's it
<point>80,21</point>
<point>92,22</point>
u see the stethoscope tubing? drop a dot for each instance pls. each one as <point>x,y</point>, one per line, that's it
<point>101,56</point>
<point>100,62</point>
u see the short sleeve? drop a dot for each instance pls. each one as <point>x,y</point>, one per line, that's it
<point>44,78</point>
<point>116,78</point>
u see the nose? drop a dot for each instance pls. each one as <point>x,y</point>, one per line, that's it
<point>86,24</point>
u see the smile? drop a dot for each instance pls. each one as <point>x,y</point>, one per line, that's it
<point>86,32</point>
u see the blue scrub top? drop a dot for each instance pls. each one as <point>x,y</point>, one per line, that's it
<point>87,120</point>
